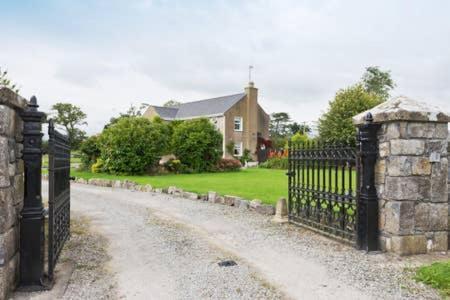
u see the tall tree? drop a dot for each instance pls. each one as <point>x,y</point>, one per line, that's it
<point>336,124</point>
<point>278,123</point>
<point>296,127</point>
<point>71,117</point>
<point>171,103</point>
<point>378,82</point>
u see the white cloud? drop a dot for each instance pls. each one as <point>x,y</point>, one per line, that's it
<point>303,52</point>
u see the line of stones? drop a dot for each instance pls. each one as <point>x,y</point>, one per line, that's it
<point>212,197</point>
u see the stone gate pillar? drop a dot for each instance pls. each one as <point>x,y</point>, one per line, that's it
<point>411,175</point>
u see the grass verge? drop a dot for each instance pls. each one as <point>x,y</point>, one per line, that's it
<point>436,275</point>
<point>268,185</point>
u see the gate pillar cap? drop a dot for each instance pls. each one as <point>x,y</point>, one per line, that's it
<point>403,109</point>
<point>11,99</point>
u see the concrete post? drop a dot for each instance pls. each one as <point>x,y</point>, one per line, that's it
<point>411,176</point>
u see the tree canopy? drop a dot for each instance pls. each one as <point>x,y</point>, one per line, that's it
<point>172,103</point>
<point>378,82</point>
<point>71,117</point>
<point>336,124</point>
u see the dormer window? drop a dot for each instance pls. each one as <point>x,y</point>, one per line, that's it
<point>238,126</point>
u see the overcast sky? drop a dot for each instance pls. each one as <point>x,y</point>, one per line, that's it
<point>104,55</point>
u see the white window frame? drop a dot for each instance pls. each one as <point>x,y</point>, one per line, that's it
<point>238,147</point>
<point>241,123</point>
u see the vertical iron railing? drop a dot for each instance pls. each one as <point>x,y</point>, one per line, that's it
<point>59,195</point>
<point>323,187</point>
<point>32,215</point>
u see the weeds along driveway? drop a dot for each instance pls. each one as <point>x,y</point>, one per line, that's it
<point>164,247</point>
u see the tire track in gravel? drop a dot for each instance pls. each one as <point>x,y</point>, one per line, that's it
<point>154,257</point>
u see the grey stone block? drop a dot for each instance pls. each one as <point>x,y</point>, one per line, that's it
<point>407,147</point>
<point>244,204</point>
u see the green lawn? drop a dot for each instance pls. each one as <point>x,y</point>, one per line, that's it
<point>265,184</point>
<point>436,275</point>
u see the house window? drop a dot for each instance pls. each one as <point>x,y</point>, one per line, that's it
<point>238,149</point>
<point>238,124</point>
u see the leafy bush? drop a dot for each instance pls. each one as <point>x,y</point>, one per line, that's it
<point>173,165</point>
<point>299,138</point>
<point>336,124</point>
<point>275,163</point>
<point>89,152</point>
<point>97,167</point>
<point>227,164</point>
<point>197,144</point>
<point>246,156</point>
<point>133,145</point>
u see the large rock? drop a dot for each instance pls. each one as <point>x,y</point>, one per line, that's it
<point>244,204</point>
<point>191,196</point>
<point>129,185</point>
<point>265,209</point>
<point>171,190</point>
<point>255,203</point>
<point>229,200</point>
<point>117,184</point>
<point>148,188</point>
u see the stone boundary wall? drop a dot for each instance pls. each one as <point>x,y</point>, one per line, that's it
<point>11,187</point>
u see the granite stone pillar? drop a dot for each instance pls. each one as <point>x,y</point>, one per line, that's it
<point>411,176</point>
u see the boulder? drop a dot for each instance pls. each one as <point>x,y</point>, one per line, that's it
<point>148,188</point>
<point>265,209</point>
<point>243,204</point>
<point>117,184</point>
<point>171,190</point>
<point>255,203</point>
<point>189,195</point>
<point>229,200</point>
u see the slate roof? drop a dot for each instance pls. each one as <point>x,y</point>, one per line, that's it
<point>207,107</point>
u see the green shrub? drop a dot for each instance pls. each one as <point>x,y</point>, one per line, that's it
<point>97,167</point>
<point>133,145</point>
<point>275,163</point>
<point>89,152</point>
<point>246,156</point>
<point>197,144</point>
<point>299,138</point>
<point>173,165</point>
<point>227,164</point>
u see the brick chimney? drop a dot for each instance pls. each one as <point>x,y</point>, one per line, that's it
<point>251,118</point>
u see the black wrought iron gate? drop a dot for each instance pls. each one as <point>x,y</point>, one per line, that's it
<point>331,188</point>
<point>323,187</point>
<point>59,194</point>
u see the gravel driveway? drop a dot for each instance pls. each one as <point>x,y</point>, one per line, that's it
<point>164,247</point>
